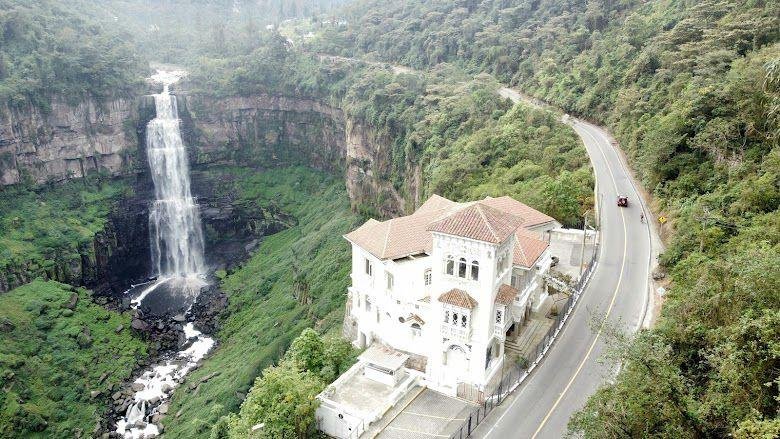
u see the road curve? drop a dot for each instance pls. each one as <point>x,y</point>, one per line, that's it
<point>618,289</point>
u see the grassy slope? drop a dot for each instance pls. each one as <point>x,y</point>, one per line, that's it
<point>264,315</point>
<point>49,366</point>
<point>29,236</point>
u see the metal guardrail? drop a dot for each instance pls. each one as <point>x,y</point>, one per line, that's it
<point>518,373</point>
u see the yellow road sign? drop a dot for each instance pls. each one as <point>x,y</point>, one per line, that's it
<point>661,219</point>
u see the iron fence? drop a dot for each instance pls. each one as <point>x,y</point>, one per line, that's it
<point>518,372</point>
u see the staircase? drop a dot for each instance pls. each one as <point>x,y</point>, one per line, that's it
<point>529,337</point>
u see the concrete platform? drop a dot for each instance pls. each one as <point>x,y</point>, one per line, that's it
<point>429,415</point>
<point>566,244</point>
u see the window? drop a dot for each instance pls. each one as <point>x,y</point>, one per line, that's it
<point>488,356</point>
<point>428,277</point>
<point>446,316</point>
<point>499,316</point>
<point>389,279</point>
<point>416,329</point>
<point>474,270</point>
<point>462,267</point>
<point>369,268</point>
<point>517,278</point>
<point>368,304</point>
<point>454,319</point>
<point>450,265</point>
<point>463,321</point>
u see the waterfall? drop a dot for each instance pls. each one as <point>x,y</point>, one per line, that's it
<point>177,257</point>
<point>174,222</point>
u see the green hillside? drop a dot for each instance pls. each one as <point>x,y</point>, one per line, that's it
<point>60,357</point>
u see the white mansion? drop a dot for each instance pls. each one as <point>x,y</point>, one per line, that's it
<point>435,295</point>
<point>447,284</point>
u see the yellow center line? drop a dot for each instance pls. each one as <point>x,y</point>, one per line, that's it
<point>611,303</point>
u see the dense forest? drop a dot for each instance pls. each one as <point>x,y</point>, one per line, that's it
<point>47,49</point>
<point>692,92</point>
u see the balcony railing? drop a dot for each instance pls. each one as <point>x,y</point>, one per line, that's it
<point>453,332</point>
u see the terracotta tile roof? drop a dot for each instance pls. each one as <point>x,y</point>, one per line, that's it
<point>417,319</point>
<point>479,222</point>
<point>531,217</point>
<point>397,237</point>
<point>528,248</point>
<point>506,294</point>
<point>492,220</point>
<point>459,298</point>
<point>436,202</point>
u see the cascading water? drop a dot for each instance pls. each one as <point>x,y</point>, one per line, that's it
<point>174,221</point>
<point>177,257</point>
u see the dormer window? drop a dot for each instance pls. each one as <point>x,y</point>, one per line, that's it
<point>474,270</point>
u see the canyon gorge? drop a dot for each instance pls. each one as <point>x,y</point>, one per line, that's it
<point>106,140</point>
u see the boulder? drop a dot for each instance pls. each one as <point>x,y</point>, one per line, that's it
<point>71,303</point>
<point>137,387</point>
<point>139,325</point>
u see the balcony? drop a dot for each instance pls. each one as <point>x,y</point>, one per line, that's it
<point>457,333</point>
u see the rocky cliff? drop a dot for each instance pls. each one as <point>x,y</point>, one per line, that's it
<point>67,140</point>
<point>274,131</point>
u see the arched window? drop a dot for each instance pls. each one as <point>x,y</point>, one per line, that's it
<point>455,319</point>
<point>462,267</point>
<point>463,320</point>
<point>450,263</point>
<point>416,329</point>
<point>474,270</point>
<point>446,316</point>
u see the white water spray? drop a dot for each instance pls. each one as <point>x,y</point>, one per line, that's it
<point>174,221</point>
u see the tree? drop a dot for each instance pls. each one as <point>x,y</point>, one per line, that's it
<point>307,351</point>
<point>284,400</point>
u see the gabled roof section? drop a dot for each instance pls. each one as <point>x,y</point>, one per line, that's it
<point>528,248</point>
<point>506,294</point>
<point>458,298</point>
<point>405,235</point>
<point>479,222</point>
<point>435,203</point>
<point>531,217</point>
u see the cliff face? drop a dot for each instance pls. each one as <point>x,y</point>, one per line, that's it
<point>273,131</point>
<point>69,141</point>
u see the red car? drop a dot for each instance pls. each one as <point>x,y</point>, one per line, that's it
<point>622,201</point>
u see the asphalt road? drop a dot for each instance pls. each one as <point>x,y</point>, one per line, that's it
<point>618,290</point>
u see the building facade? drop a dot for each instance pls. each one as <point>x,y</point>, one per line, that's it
<point>447,285</point>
